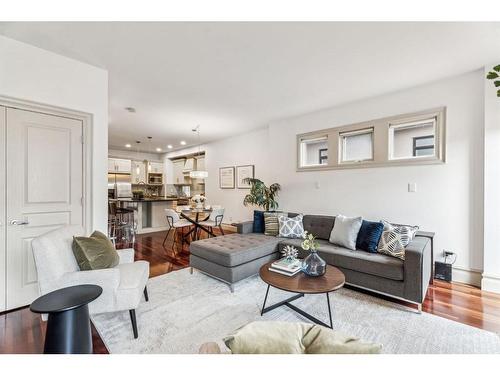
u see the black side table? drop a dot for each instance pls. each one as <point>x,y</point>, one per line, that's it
<point>68,328</point>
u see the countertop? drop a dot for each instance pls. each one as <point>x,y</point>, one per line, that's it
<point>159,199</point>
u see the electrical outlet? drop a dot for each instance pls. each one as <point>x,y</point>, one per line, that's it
<point>412,187</point>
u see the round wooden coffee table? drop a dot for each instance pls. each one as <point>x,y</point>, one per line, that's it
<point>302,284</point>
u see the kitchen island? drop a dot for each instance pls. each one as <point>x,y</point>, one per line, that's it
<point>149,213</point>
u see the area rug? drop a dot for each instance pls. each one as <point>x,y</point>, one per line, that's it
<point>186,310</point>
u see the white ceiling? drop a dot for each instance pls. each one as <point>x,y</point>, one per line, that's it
<point>230,78</point>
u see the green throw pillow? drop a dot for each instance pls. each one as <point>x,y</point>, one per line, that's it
<point>268,337</point>
<point>271,223</point>
<point>94,252</point>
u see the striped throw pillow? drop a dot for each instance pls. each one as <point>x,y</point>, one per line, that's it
<point>271,223</point>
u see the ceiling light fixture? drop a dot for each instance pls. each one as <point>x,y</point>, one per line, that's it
<point>183,143</point>
<point>198,173</point>
<point>158,149</point>
<point>128,145</point>
<point>137,168</point>
<point>149,152</point>
<point>169,146</point>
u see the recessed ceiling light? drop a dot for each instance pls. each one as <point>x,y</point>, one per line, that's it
<point>158,149</point>
<point>130,109</point>
<point>169,146</point>
<point>128,145</point>
<point>183,143</point>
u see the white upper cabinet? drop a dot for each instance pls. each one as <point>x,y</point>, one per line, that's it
<point>119,165</point>
<point>178,171</point>
<point>189,165</point>
<point>156,167</point>
<point>200,163</point>
<point>138,172</point>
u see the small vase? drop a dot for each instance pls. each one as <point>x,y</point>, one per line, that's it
<point>199,205</point>
<point>314,265</point>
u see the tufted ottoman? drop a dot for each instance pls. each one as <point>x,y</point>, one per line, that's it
<point>233,257</point>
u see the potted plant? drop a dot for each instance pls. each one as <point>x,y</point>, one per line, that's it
<point>495,77</point>
<point>262,196</point>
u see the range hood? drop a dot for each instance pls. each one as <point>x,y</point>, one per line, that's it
<point>188,165</point>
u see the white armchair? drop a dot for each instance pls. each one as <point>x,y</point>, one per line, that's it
<point>57,268</point>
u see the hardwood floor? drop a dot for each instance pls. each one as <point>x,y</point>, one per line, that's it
<point>22,331</point>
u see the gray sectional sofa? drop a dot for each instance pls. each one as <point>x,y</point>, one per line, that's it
<point>234,257</point>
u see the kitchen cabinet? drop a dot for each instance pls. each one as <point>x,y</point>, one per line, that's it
<point>119,165</point>
<point>156,167</point>
<point>200,163</point>
<point>188,165</point>
<point>138,172</point>
<point>178,171</point>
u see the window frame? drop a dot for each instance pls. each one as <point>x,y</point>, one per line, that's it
<point>342,145</point>
<point>310,137</point>
<point>380,142</point>
<point>416,148</point>
<point>322,157</point>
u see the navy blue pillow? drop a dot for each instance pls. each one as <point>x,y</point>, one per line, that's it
<point>369,235</point>
<point>258,221</point>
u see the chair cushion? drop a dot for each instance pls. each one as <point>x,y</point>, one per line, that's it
<point>94,252</point>
<point>132,275</point>
<point>294,338</point>
<point>361,261</point>
<point>234,249</point>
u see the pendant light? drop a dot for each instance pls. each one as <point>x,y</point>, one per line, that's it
<point>198,173</point>
<point>138,167</point>
<point>149,152</point>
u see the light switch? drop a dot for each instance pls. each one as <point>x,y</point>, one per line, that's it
<point>412,187</point>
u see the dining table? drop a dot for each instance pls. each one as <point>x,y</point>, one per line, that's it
<point>196,216</point>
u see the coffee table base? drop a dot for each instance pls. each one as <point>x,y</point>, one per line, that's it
<point>287,303</point>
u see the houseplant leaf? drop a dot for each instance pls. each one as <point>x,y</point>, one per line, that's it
<point>492,75</point>
<point>496,68</point>
<point>497,83</point>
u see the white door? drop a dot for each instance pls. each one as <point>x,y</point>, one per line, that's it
<point>2,209</point>
<point>44,190</point>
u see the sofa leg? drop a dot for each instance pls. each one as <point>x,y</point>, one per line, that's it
<point>419,308</point>
<point>146,296</point>
<point>134,323</point>
<point>191,270</point>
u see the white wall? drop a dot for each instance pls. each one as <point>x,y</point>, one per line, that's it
<point>491,275</point>
<point>33,74</point>
<point>449,196</point>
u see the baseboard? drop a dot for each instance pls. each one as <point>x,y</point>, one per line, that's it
<point>490,283</point>
<point>467,276</point>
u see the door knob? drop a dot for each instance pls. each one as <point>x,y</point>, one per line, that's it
<point>19,222</point>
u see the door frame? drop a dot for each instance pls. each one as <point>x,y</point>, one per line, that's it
<point>88,145</point>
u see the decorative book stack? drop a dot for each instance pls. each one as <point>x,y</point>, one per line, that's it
<point>286,266</point>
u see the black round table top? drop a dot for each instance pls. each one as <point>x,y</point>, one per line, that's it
<point>66,299</point>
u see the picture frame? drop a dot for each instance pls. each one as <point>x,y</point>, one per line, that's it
<point>226,178</point>
<point>242,172</point>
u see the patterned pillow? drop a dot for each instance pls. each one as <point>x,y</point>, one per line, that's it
<point>395,238</point>
<point>271,226</point>
<point>291,227</point>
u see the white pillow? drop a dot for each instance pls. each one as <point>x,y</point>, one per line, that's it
<point>345,231</point>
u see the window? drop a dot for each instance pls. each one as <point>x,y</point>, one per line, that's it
<point>408,139</point>
<point>314,151</point>
<point>356,146</point>
<point>412,139</point>
<point>323,156</point>
<point>423,146</point>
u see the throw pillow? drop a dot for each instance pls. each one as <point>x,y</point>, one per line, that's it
<point>271,337</point>
<point>271,225</point>
<point>291,227</point>
<point>94,252</point>
<point>345,231</point>
<point>369,236</point>
<point>395,238</point>
<point>258,221</point>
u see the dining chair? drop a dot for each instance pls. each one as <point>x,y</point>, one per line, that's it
<point>174,222</point>
<point>214,220</point>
